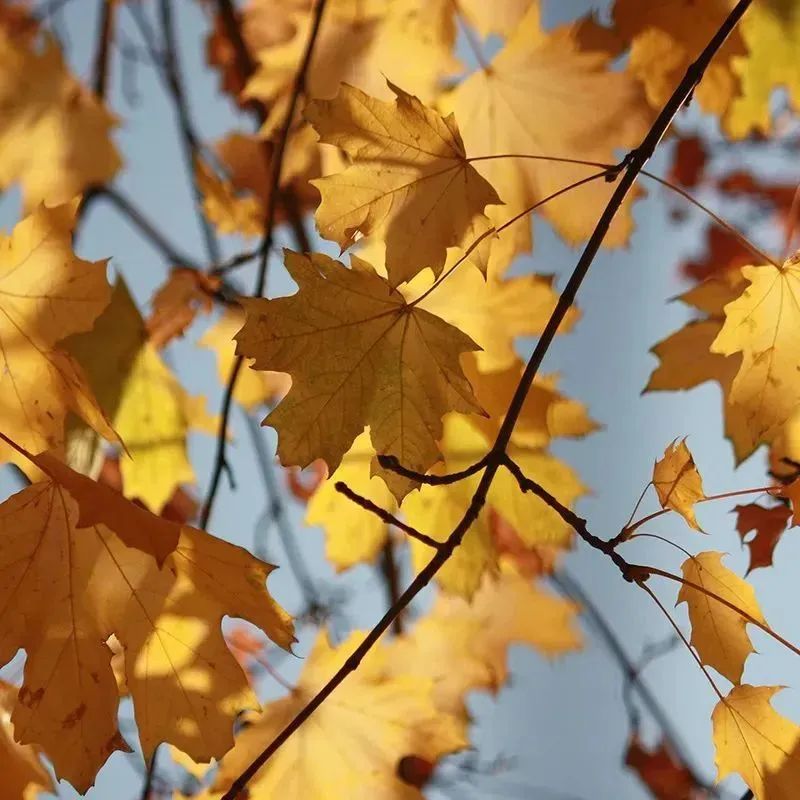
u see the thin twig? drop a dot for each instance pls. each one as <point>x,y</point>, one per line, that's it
<point>633,165</point>
<point>391,578</point>
<point>150,777</point>
<point>128,209</point>
<point>392,464</point>
<point>276,165</point>
<point>383,514</point>
<point>287,533</point>
<point>189,139</point>
<point>573,590</point>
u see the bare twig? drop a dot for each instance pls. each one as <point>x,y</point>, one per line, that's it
<point>393,465</point>
<point>276,165</point>
<point>629,171</point>
<point>570,587</point>
<point>124,205</point>
<point>286,532</point>
<point>385,516</point>
<point>189,138</point>
<point>391,579</point>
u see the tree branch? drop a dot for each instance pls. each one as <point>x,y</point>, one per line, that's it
<point>389,572</point>
<point>629,170</point>
<point>276,165</point>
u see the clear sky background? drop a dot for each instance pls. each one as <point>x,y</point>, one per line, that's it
<point>563,721</point>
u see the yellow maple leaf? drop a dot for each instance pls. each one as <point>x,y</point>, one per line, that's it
<point>762,324</point>
<point>68,588</point>
<point>359,356</point>
<point>531,100</point>
<point>410,182</point>
<point>410,42</point>
<point>754,740</point>
<point>24,775</point>
<point>46,294</point>
<point>229,211</point>
<point>54,133</point>
<point>352,535</point>
<point>491,312</point>
<point>771,33</point>
<point>677,482</point>
<point>150,409</point>
<point>718,632</point>
<point>686,359</point>
<point>435,510</point>
<point>667,36</point>
<point>253,387</point>
<point>373,718</point>
<point>463,645</point>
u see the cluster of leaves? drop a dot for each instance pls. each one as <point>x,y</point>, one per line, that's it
<point>393,377</point>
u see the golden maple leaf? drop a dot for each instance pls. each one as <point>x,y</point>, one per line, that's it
<point>762,324</point>
<point>69,587</point>
<point>753,739</point>
<point>54,133</point>
<point>46,294</point>
<point>374,718</point>
<point>148,406</point>
<point>410,182</point>
<point>463,645</point>
<point>534,99</point>
<point>687,360</point>
<point>358,355</point>
<point>351,535</point>
<point>667,36</point>
<point>253,387</point>
<point>24,774</point>
<point>410,42</point>
<point>718,632</point>
<point>771,33</point>
<point>677,481</point>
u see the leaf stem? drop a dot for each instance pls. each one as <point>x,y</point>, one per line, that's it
<point>682,637</point>
<point>696,586</point>
<point>629,529</point>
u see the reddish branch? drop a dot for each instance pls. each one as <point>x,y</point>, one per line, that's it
<point>629,170</point>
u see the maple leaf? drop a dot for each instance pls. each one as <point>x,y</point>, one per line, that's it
<point>253,388</point>
<point>667,36</point>
<point>184,295</point>
<point>359,356</point>
<point>46,294</point>
<point>436,510</point>
<point>69,587</point>
<point>229,211</point>
<point>718,632</point>
<point>351,535</point>
<point>24,774</point>
<point>151,410</point>
<point>492,312</point>
<point>771,33</point>
<point>410,42</point>
<point>464,645</point>
<point>751,738</point>
<point>54,133</point>
<point>410,182</point>
<point>762,324</point>
<point>531,100</point>
<point>373,718</point>
<point>686,359</point>
<point>677,482</point>
<point>660,770</point>
<point>768,524</point>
